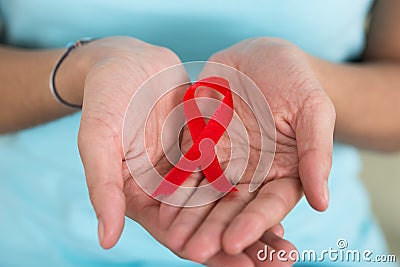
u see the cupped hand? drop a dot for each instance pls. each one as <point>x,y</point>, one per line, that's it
<point>304,120</point>
<point>158,218</point>
<point>119,66</point>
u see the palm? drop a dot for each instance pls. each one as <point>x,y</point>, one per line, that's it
<point>112,188</point>
<point>304,121</point>
<point>237,221</point>
<point>161,219</point>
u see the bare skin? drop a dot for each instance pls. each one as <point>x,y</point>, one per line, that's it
<point>365,96</point>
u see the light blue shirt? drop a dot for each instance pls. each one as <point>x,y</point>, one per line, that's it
<point>45,214</point>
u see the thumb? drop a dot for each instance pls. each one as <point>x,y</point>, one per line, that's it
<point>314,134</point>
<point>102,161</point>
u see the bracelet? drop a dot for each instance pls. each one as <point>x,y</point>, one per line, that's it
<point>52,84</point>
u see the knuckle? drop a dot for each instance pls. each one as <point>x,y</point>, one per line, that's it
<point>93,196</point>
<point>280,201</point>
<point>83,139</point>
<point>175,243</point>
<point>157,59</point>
<point>167,55</point>
<point>216,57</point>
<point>331,109</point>
<point>223,56</point>
<point>193,256</point>
<point>257,216</point>
<point>99,191</point>
<point>236,199</point>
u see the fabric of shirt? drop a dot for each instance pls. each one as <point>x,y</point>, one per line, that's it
<point>45,214</point>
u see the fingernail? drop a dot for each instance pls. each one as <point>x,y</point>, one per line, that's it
<point>100,230</point>
<point>326,192</point>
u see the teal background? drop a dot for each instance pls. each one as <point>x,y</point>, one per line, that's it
<point>46,218</point>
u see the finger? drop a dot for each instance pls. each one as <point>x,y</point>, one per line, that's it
<point>143,209</point>
<point>277,230</point>
<point>223,259</point>
<point>185,223</point>
<point>274,201</point>
<point>169,213</point>
<point>206,241</point>
<point>276,242</point>
<point>314,136</point>
<point>180,226</point>
<point>104,180</point>
<point>272,251</point>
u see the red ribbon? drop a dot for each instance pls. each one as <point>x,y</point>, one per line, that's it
<point>205,136</point>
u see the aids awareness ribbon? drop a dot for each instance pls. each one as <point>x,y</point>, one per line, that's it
<point>205,136</point>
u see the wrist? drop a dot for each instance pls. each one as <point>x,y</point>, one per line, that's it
<point>323,71</point>
<point>70,77</point>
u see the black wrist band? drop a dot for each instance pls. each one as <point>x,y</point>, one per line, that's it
<point>52,83</point>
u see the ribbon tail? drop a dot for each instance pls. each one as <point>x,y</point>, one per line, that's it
<point>165,188</point>
<point>217,178</point>
<point>222,184</point>
<point>176,176</point>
